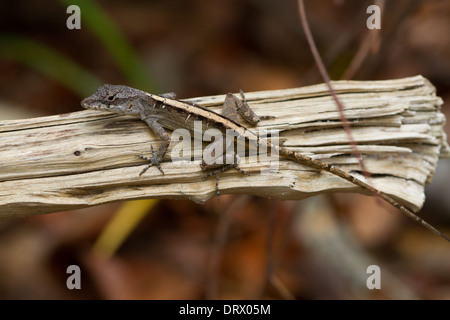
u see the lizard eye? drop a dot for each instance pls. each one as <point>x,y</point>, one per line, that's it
<point>110,97</point>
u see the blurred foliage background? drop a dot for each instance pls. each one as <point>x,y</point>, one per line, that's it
<point>245,247</point>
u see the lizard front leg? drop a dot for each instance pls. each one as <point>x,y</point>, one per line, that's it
<point>165,142</point>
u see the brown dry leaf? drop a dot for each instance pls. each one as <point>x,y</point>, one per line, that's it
<point>120,278</point>
<point>373,222</point>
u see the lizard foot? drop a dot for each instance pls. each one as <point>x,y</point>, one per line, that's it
<point>219,170</point>
<point>153,162</point>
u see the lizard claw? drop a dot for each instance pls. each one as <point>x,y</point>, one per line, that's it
<point>218,171</point>
<point>153,161</point>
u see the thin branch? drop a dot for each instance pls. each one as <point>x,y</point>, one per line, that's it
<point>372,40</point>
<point>268,275</point>
<point>216,252</point>
<point>370,186</point>
<point>326,78</point>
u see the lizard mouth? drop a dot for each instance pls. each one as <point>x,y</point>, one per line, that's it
<point>89,104</point>
<point>84,103</point>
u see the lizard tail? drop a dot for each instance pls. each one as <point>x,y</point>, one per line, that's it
<point>298,157</point>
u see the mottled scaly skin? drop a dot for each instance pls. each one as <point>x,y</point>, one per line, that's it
<point>163,111</point>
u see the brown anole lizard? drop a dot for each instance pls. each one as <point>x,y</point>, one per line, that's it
<point>162,112</point>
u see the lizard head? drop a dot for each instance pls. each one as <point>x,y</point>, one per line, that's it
<point>114,98</point>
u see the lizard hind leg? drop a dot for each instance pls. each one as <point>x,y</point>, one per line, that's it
<point>233,105</point>
<point>219,168</point>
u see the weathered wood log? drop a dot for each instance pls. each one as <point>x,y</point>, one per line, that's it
<point>87,158</point>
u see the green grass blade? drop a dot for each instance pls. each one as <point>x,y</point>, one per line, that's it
<point>93,16</point>
<point>49,62</point>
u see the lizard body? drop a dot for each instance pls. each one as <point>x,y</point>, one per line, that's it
<point>164,111</point>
